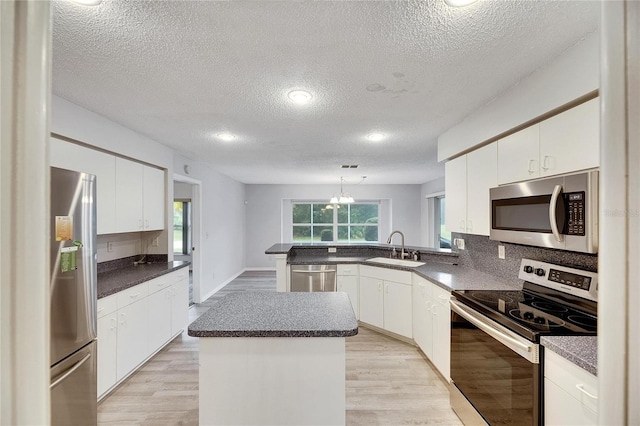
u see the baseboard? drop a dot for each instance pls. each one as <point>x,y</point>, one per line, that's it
<point>260,268</point>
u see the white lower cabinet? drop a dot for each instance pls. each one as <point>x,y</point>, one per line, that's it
<point>570,393</point>
<point>349,285</point>
<point>135,323</point>
<point>385,299</point>
<point>432,323</point>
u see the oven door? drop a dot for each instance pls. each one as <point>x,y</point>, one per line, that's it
<point>494,369</point>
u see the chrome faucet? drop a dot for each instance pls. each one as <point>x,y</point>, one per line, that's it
<point>402,253</point>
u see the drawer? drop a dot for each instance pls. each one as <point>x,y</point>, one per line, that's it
<point>179,275</point>
<point>106,305</point>
<point>159,283</point>
<point>574,380</point>
<point>133,294</point>
<point>386,274</point>
<point>348,269</point>
<point>440,295</point>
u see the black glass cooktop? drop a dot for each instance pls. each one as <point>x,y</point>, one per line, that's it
<point>530,314</point>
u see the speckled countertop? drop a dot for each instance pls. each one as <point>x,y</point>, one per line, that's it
<point>447,275</point>
<point>120,279</point>
<point>580,350</point>
<point>264,314</point>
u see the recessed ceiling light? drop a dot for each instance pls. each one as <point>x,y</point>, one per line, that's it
<point>375,137</point>
<point>87,2</point>
<point>459,3</point>
<point>226,136</point>
<point>299,96</point>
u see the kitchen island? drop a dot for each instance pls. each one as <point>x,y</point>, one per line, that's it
<point>274,358</point>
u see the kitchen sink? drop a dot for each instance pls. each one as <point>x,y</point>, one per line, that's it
<point>397,262</point>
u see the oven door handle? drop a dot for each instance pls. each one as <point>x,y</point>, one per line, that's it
<point>525,350</point>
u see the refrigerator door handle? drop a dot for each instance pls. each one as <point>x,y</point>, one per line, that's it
<point>70,371</point>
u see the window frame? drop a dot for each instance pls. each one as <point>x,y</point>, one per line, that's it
<point>334,224</point>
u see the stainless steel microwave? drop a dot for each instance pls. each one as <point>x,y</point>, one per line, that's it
<point>559,212</point>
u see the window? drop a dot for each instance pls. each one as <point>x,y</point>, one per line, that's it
<point>350,223</point>
<point>182,227</point>
<point>444,236</point>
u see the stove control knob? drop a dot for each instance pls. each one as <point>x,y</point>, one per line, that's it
<point>539,320</point>
<point>528,316</point>
<point>540,272</point>
<point>528,269</point>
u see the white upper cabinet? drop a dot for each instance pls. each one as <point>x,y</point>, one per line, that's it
<point>519,156</point>
<point>564,143</point>
<point>467,182</point>
<point>570,141</point>
<point>154,195</point>
<point>129,196</point>
<point>140,197</point>
<point>71,156</point>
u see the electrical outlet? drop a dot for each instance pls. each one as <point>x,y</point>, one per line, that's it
<point>332,249</point>
<point>460,243</point>
<point>500,252</point>
<point>109,246</point>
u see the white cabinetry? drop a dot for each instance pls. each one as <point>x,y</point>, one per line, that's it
<point>71,156</point>
<point>348,283</point>
<point>385,299</point>
<point>107,343</point>
<point>570,393</point>
<point>567,142</point>
<point>432,323</point>
<point>467,182</point>
<point>139,197</point>
<point>135,323</point>
<point>133,329</point>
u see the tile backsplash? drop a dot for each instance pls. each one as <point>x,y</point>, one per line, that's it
<point>481,253</point>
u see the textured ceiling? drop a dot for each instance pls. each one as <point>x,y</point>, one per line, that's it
<point>181,72</point>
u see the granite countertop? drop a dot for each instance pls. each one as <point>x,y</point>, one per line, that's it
<point>445,274</point>
<point>580,350</point>
<point>122,278</point>
<point>265,314</point>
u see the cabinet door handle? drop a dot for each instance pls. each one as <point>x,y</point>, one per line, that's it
<point>133,296</point>
<point>470,227</point>
<point>379,286</point>
<point>530,168</point>
<point>581,388</point>
<point>146,223</point>
<point>462,225</point>
<point>123,319</point>
<point>114,324</point>
<point>545,162</point>
<point>140,223</point>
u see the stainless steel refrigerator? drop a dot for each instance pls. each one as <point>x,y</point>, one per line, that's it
<point>73,298</point>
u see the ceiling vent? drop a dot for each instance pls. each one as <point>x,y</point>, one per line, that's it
<point>349,166</point>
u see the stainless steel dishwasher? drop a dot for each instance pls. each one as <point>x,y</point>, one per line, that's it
<point>313,278</point>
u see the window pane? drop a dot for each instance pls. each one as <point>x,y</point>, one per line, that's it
<point>301,213</point>
<point>322,214</point>
<point>343,214</point>
<point>445,236</point>
<point>364,213</point>
<point>371,233</point>
<point>323,233</point>
<point>302,234</point>
<point>178,227</point>
<point>343,233</point>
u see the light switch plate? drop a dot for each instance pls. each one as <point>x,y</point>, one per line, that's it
<point>109,246</point>
<point>332,249</point>
<point>459,243</point>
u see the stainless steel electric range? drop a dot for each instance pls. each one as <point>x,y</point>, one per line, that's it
<point>496,357</point>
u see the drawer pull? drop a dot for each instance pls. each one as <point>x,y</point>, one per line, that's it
<point>584,391</point>
<point>133,296</point>
<point>100,310</point>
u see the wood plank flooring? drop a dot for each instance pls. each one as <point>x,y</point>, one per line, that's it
<point>388,381</point>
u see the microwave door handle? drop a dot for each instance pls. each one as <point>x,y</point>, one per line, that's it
<point>557,191</point>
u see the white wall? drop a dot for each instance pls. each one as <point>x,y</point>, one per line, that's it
<point>426,209</point>
<point>222,250</point>
<point>573,74</point>
<point>264,212</point>
<point>181,191</point>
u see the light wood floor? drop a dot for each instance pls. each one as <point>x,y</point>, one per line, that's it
<point>388,381</point>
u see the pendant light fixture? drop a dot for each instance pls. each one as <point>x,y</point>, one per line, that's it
<point>344,198</point>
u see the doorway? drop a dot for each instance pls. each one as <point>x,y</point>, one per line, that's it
<point>186,228</point>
